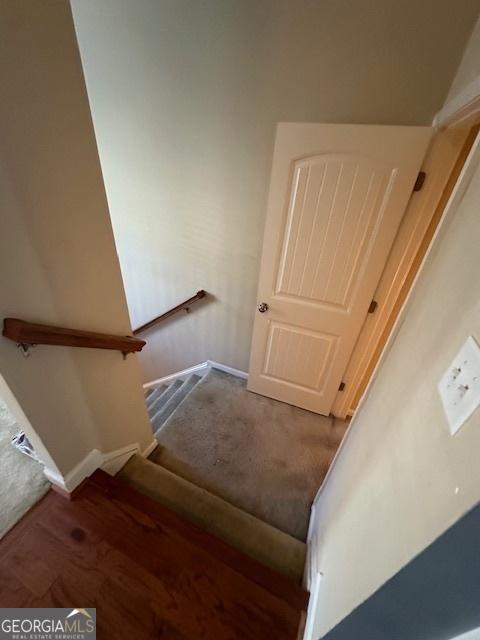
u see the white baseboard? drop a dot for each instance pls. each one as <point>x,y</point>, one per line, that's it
<point>91,462</point>
<point>312,606</point>
<point>197,368</point>
<point>223,367</point>
<point>312,577</point>
<point>110,462</point>
<point>311,560</point>
<point>115,460</point>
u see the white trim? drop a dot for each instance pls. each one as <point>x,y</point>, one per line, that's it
<point>311,524</point>
<point>231,370</point>
<point>110,462</point>
<point>197,368</point>
<point>311,558</point>
<point>148,450</point>
<point>470,165</point>
<point>115,460</point>
<point>175,376</point>
<point>90,463</point>
<point>312,606</point>
<point>453,108</point>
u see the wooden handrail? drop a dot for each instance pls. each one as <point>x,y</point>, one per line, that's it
<point>184,305</point>
<point>29,333</point>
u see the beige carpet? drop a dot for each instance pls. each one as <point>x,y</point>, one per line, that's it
<point>252,536</point>
<point>263,456</point>
<point>22,482</point>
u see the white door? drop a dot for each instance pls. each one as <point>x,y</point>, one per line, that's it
<point>337,195</point>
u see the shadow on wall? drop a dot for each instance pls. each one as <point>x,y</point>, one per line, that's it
<point>434,597</point>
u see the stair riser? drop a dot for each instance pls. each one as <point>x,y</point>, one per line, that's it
<point>174,402</point>
<point>156,393</point>
<point>163,398</point>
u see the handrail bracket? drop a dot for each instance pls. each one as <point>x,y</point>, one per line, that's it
<point>26,348</point>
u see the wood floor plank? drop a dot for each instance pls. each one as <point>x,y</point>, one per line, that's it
<point>146,577</point>
<point>12,592</point>
<point>10,539</point>
<point>181,564</point>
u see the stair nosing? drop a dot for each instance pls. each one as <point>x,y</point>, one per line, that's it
<point>272,581</point>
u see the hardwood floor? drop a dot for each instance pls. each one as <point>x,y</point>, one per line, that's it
<point>149,573</point>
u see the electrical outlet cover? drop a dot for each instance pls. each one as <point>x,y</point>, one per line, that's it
<point>459,387</point>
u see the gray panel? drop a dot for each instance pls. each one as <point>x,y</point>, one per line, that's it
<point>434,597</point>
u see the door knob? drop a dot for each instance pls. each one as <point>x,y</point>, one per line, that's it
<point>262,307</point>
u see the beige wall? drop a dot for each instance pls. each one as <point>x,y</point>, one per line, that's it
<point>400,479</point>
<point>185,96</point>
<point>469,69</point>
<point>57,256</point>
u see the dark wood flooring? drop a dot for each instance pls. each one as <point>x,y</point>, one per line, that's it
<point>149,573</point>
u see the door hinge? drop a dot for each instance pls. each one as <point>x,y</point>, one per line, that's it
<point>373,306</point>
<point>342,386</point>
<point>419,181</point>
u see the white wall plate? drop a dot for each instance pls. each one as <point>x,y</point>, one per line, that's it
<point>459,387</point>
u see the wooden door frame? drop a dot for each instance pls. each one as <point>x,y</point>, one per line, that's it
<point>456,131</point>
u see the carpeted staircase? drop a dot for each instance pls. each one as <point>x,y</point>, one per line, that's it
<point>163,401</point>
<point>241,466</point>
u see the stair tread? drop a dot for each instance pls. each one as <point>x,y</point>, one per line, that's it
<point>174,401</point>
<point>163,398</point>
<point>276,583</point>
<point>275,549</point>
<point>156,393</point>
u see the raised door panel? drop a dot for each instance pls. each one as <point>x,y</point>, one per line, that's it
<point>335,205</point>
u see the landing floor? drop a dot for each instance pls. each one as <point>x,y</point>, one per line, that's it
<point>263,456</point>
